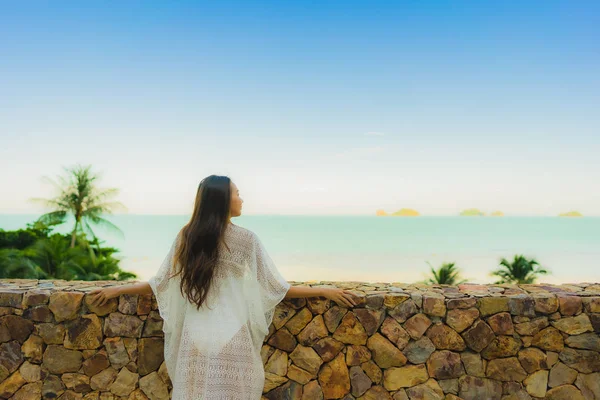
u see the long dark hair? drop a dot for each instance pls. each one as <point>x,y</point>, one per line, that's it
<point>198,249</point>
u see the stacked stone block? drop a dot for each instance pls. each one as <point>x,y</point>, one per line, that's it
<point>401,342</point>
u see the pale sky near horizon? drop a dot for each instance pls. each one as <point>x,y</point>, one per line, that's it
<point>333,108</point>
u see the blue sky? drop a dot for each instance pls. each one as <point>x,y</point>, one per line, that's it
<point>312,108</point>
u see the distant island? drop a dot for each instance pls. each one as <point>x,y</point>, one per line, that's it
<point>571,214</point>
<point>404,212</point>
<point>472,212</point>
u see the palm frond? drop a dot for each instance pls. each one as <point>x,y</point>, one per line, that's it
<point>446,274</point>
<point>106,223</point>
<point>53,218</point>
<point>519,270</point>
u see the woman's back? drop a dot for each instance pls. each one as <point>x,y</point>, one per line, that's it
<point>214,351</point>
<point>216,290</point>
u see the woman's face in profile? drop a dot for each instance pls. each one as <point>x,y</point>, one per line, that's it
<point>235,209</point>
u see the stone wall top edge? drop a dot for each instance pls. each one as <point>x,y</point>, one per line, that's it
<point>585,289</point>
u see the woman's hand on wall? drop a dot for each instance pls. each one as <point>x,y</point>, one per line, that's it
<point>101,296</point>
<point>342,297</point>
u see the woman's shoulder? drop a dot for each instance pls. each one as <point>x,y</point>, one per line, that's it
<point>243,234</point>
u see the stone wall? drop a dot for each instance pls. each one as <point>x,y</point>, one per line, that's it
<point>401,342</point>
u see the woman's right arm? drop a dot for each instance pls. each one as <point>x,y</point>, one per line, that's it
<point>101,296</point>
<point>340,296</point>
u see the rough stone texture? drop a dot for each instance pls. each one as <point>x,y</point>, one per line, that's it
<point>533,359</point>
<point>334,378</point>
<point>417,325</point>
<point>401,342</point>
<point>307,359</point>
<point>589,384</point>
<point>58,359</point>
<point>565,392</point>
<point>76,382</point>
<point>350,330</point>
<point>30,372</point>
<point>50,333</point>
<point>313,332</point>
<point>402,377</point>
<point>537,383</point>
<point>328,348</point>
<point>584,361</point>
<point>395,333</point>
<point>52,387</point>
<point>502,346</point>
<point>445,365</point>
<point>118,324</point>
<point>154,387</point>
<point>29,391</point>
<point>116,351</point>
<point>84,333</point>
<point>10,357</point>
<point>278,363</point>
<point>96,363</point>
<point>385,354</point>
<point>460,319</point>
<point>445,338</point>
<point>429,390</point>
<point>501,324</point>
<point>125,383</point>
<point>359,381</point>
<point>418,351</point>
<point>356,355</point>
<point>15,328</point>
<point>474,388</point>
<point>299,375</point>
<point>473,363</point>
<point>506,369</point>
<point>151,355</point>
<point>434,305</point>
<point>312,391</point>
<point>548,339</point>
<point>103,379</point>
<point>65,305</point>
<point>478,336</point>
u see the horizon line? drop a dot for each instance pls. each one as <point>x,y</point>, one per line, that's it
<point>335,215</point>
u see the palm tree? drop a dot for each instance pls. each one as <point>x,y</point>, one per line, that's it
<point>520,270</point>
<point>56,259</point>
<point>100,265</point>
<point>79,197</point>
<point>447,274</point>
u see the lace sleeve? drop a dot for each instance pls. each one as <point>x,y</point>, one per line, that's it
<point>162,285</point>
<point>273,286</point>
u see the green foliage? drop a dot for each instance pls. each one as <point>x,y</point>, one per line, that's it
<point>101,265</point>
<point>79,196</point>
<point>56,258</point>
<point>447,274</point>
<point>36,253</point>
<point>16,265</point>
<point>520,270</point>
<point>23,238</point>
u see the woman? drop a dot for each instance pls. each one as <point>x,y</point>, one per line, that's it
<point>216,292</point>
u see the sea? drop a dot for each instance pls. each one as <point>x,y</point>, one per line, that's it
<point>376,249</point>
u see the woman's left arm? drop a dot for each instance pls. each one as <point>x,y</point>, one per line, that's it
<point>101,296</point>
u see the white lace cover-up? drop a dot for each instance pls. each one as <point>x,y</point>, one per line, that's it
<point>214,353</point>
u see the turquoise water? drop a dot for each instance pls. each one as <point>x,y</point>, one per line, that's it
<point>378,249</point>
